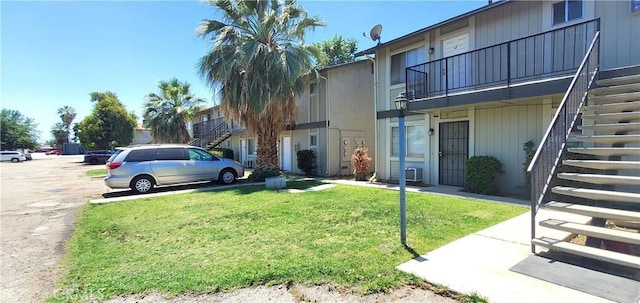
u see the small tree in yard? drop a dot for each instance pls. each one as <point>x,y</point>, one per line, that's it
<point>360,159</point>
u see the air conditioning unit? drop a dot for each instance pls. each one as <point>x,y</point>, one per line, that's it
<point>413,174</point>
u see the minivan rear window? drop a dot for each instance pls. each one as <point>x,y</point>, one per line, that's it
<point>173,153</point>
<point>140,155</point>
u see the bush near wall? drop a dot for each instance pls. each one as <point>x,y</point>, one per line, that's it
<point>481,174</point>
<point>223,152</point>
<point>307,161</point>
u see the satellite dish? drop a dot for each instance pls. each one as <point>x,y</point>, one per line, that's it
<point>375,32</point>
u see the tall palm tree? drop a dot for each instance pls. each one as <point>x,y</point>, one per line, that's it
<point>256,65</point>
<point>168,112</point>
<point>67,114</point>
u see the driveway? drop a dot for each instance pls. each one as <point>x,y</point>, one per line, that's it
<point>38,203</point>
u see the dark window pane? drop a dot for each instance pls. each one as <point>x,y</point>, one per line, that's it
<point>140,155</point>
<point>398,64</point>
<point>558,12</point>
<point>171,154</point>
<point>575,9</point>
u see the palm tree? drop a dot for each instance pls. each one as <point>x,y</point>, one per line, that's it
<point>61,134</point>
<point>167,113</point>
<point>256,65</point>
<point>67,114</point>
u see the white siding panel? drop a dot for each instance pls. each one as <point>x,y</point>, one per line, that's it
<point>620,40</point>
<point>501,132</point>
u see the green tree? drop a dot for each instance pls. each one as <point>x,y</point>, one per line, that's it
<point>67,115</point>
<point>17,131</point>
<point>168,112</point>
<point>60,134</point>
<point>108,124</point>
<point>336,51</point>
<point>256,64</point>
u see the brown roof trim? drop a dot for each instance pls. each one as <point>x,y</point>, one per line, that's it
<point>428,28</point>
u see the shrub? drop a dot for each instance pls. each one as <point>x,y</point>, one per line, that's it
<point>307,161</point>
<point>360,159</point>
<point>260,174</point>
<point>222,152</point>
<point>481,174</point>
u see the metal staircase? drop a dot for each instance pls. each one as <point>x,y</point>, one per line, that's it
<point>608,187</point>
<point>588,167</point>
<point>213,137</point>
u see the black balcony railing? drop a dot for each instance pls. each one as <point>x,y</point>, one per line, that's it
<point>550,54</point>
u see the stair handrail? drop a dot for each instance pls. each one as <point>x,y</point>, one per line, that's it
<point>547,156</point>
<point>219,130</point>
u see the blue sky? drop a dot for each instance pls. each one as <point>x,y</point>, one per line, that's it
<point>54,53</point>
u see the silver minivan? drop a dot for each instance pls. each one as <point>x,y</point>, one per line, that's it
<point>145,166</point>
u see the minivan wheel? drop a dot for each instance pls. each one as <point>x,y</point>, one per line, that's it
<point>15,160</point>
<point>227,176</point>
<point>142,184</point>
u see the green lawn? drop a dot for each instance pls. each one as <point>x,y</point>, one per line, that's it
<point>345,236</point>
<point>97,172</point>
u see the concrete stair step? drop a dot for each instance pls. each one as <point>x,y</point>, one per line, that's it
<point>593,211</point>
<point>602,164</point>
<point>614,98</point>
<point>593,231</point>
<point>612,127</point>
<point>589,252</point>
<point>597,194</point>
<point>609,139</point>
<point>601,179</point>
<point>618,80</point>
<point>616,89</point>
<point>606,151</point>
<point>613,117</point>
<point>612,107</point>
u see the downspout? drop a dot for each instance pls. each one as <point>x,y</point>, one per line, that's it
<point>326,121</point>
<point>375,113</point>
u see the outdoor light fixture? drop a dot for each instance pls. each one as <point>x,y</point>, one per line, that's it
<point>431,50</point>
<point>430,132</point>
<point>401,106</point>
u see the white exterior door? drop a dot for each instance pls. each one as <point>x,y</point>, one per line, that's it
<point>286,153</point>
<point>243,152</point>
<point>458,68</point>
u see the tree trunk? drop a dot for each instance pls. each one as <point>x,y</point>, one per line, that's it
<point>267,153</point>
<point>185,133</point>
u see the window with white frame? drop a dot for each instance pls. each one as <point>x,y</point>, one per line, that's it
<point>400,61</point>
<point>313,102</point>
<point>567,10</point>
<point>415,140</point>
<point>313,140</point>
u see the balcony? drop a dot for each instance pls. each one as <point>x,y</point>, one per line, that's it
<point>203,128</point>
<point>553,54</point>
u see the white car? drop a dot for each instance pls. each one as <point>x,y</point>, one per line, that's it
<point>13,156</point>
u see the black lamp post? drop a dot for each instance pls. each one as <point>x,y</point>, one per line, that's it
<point>401,106</point>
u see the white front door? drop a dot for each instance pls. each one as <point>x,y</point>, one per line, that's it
<point>286,153</point>
<point>243,151</point>
<point>458,68</point>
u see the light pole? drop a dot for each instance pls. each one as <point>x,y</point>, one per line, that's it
<point>401,106</point>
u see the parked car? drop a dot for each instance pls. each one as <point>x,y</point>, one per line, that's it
<point>97,156</point>
<point>13,156</point>
<point>143,167</point>
<point>53,152</point>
